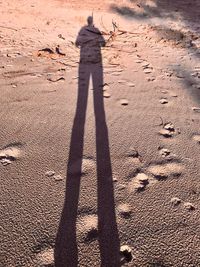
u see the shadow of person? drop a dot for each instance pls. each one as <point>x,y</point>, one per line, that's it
<point>90,42</point>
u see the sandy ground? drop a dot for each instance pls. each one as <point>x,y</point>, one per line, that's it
<point>88,168</point>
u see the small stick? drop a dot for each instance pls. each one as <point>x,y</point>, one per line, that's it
<point>103,24</point>
<point>162,123</point>
<point>114,25</point>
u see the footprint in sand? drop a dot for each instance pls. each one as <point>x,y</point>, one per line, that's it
<point>138,183</point>
<point>196,138</point>
<point>164,171</point>
<point>81,166</point>
<point>87,228</point>
<point>87,165</point>
<point>124,210</point>
<point>134,158</point>
<point>10,153</point>
<point>46,258</point>
<point>52,174</point>
<point>133,162</point>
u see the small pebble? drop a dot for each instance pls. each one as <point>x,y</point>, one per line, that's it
<point>163,101</point>
<point>124,102</point>
<point>115,179</point>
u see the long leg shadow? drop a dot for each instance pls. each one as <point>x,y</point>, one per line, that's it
<point>66,250</point>
<point>107,227</point>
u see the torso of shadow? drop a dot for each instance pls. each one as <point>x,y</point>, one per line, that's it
<point>90,41</point>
